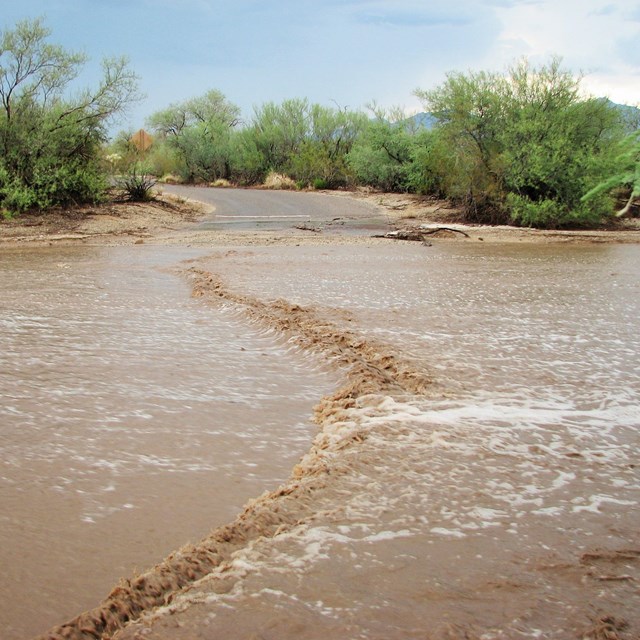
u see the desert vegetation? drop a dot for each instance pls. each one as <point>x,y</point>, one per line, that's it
<point>52,144</point>
<point>523,147</point>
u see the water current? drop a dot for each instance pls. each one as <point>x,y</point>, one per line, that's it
<point>132,420</point>
<point>501,504</point>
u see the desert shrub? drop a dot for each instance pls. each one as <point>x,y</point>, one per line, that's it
<point>51,145</point>
<point>551,214</point>
<point>524,146</point>
<point>170,178</point>
<point>14,196</point>
<point>278,181</point>
<point>315,162</point>
<point>163,160</point>
<point>247,164</point>
<point>137,184</point>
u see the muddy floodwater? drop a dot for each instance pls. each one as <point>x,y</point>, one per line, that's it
<point>132,420</point>
<point>503,502</point>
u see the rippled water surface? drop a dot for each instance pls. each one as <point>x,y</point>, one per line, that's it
<point>132,420</point>
<point>504,504</point>
<point>507,505</point>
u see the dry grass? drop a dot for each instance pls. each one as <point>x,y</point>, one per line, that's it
<point>278,181</point>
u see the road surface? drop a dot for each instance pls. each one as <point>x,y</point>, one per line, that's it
<point>259,209</point>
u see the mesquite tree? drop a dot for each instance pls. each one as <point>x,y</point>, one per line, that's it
<point>198,131</point>
<point>624,180</point>
<point>50,142</point>
<point>526,145</point>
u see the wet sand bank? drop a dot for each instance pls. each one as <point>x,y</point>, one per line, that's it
<point>175,219</point>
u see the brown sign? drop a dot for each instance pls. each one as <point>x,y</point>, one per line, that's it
<point>142,140</point>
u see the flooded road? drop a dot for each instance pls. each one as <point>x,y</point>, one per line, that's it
<point>502,502</point>
<point>132,420</point>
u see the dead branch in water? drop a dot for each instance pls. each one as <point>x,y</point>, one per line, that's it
<point>305,227</point>
<point>429,232</point>
<point>418,235</point>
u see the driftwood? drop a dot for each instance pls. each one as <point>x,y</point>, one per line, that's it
<point>627,207</point>
<point>304,227</point>
<point>418,235</point>
<point>428,232</point>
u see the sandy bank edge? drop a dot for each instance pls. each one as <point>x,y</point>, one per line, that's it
<point>172,220</point>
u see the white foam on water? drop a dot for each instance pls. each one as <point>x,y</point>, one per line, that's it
<point>119,396</point>
<point>595,503</point>
<point>453,533</point>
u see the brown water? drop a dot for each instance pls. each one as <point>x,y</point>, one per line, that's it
<point>132,420</point>
<point>503,505</point>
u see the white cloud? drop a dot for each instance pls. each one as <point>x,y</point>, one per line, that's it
<point>593,37</point>
<point>350,51</point>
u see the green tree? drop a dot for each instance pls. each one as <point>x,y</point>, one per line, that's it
<point>279,131</point>
<point>247,162</point>
<point>556,144</point>
<point>524,146</point>
<point>321,160</point>
<point>468,109</point>
<point>199,131</point>
<point>307,142</point>
<point>624,180</point>
<point>50,142</point>
<point>392,154</point>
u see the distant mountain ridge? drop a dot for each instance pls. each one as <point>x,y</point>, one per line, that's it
<point>630,114</point>
<point>422,120</point>
<point>426,120</point>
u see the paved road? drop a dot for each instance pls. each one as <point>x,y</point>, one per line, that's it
<point>268,210</point>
